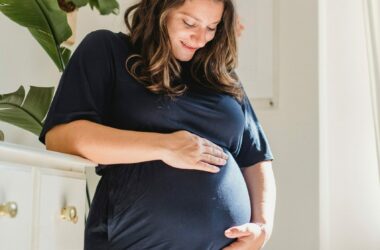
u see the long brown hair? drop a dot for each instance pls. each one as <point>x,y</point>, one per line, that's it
<point>153,63</point>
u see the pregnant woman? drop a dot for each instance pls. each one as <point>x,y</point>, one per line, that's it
<point>184,162</point>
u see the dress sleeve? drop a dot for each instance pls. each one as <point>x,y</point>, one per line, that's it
<point>254,146</point>
<point>85,87</point>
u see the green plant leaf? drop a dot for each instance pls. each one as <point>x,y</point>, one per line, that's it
<point>105,7</point>
<point>66,53</point>
<point>20,118</point>
<point>45,20</point>
<point>38,100</point>
<point>1,136</point>
<point>15,98</point>
<point>30,114</point>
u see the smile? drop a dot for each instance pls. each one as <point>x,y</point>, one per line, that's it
<point>188,47</point>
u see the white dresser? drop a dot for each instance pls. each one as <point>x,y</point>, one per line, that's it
<point>42,199</point>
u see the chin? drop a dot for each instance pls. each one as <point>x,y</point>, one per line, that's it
<point>184,58</point>
<point>182,55</point>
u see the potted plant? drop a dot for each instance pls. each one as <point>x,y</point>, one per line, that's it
<point>52,23</point>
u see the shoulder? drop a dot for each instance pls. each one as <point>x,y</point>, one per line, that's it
<point>100,34</point>
<point>119,42</point>
<point>100,37</point>
<point>104,41</point>
<point>106,38</point>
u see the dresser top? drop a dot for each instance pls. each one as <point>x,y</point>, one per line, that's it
<point>26,155</point>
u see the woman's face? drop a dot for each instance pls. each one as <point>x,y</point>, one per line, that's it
<point>192,25</point>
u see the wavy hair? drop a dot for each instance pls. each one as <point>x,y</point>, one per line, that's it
<point>153,64</point>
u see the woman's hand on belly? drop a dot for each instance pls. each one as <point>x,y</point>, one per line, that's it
<point>185,150</point>
<point>250,236</point>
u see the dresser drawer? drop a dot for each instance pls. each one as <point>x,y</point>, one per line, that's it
<point>58,191</point>
<point>16,186</point>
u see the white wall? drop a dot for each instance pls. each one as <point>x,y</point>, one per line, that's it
<point>293,127</point>
<point>349,183</point>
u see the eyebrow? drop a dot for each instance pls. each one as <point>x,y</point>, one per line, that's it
<point>199,20</point>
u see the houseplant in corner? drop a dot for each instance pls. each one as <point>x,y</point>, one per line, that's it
<point>47,22</point>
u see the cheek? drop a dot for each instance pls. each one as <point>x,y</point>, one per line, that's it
<point>210,37</point>
<point>175,33</point>
<point>172,30</point>
<point>184,35</point>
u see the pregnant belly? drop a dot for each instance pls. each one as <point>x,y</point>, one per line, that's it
<point>156,206</point>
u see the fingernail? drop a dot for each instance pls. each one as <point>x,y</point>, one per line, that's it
<point>216,169</point>
<point>229,231</point>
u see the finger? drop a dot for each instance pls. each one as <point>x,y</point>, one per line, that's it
<point>215,152</point>
<point>213,159</point>
<point>207,167</point>
<point>210,144</point>
<point>236,232</point>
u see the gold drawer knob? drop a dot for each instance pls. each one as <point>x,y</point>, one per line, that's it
<point>8,209</point>
<point>69,214</point>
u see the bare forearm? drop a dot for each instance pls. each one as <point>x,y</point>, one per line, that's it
<point>104,145</point>
<point>262,190</point>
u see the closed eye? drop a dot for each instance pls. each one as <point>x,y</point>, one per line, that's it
<point>188,24</point>
<point>193,26</point>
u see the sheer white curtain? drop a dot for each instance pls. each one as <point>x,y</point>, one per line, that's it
<point>372,16</point>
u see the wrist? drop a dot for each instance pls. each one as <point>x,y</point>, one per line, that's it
<point>161,146</point>
<point>266,230</point>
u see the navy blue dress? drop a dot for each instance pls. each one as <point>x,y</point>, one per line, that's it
<point>151,205</point>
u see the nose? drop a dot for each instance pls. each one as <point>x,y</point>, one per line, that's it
<point>199,38</point>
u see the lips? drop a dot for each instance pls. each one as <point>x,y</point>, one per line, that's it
<point>188,46</point>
